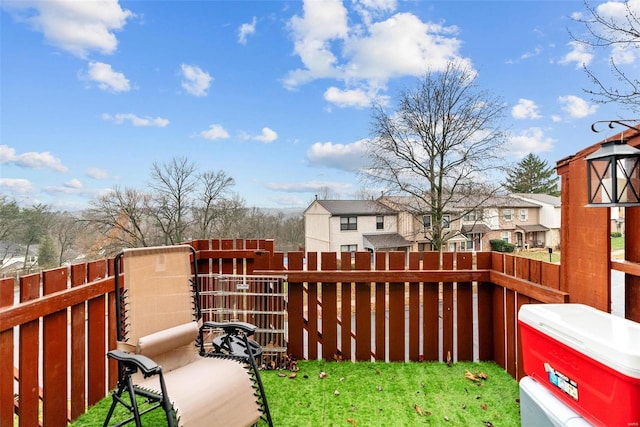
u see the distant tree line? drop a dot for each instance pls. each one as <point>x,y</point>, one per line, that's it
<point>179,204</point>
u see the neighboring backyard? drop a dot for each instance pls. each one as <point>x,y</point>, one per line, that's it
<point>617,246</point>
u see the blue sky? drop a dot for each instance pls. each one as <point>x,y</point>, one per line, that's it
<point>275,93</point>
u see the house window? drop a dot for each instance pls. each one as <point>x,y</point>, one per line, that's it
<point>426,221</point>
<point>348,248</point>
<point>379,223</point>
<point>506,236</point>
<point>473,216</point>
<point>508,214</point>
<point>348,223</point>
<point>446,221</point>
<point>524,214</point>
<point>468,245</point>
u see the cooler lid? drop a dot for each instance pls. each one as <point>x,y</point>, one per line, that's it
<point>608,339</point>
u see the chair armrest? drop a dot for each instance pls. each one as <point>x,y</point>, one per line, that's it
<point>146,365</point>
<point>232,327</point>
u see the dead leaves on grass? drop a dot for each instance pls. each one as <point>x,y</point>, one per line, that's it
<point>420,411</point>
<point>477,377</point>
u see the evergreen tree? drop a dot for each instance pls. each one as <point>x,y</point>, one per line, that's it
<point>47,253</point>
<point>532,175</point>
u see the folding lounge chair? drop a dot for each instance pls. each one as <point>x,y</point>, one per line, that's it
<point>161,351</point>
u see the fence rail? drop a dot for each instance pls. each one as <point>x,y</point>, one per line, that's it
<point>55,329</point>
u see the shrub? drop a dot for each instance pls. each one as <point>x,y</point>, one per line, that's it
<point>616,234</point>
<point>508,247</point>
<point>497,245</point>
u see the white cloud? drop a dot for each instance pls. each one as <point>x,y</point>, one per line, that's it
<point>616,13</point>
<point>625,54</point>
<point>579,54</point>
<point>576,107</point>
<point>399,46</point>
<point>73,184</point>
<point>267,135</point>
<point>349,157</point>
<point>348,97</point>
<point>120,118</point>
<point>525,109</point>
<point>528,55</point>
<point>321,23</point>
<point>96,173</point>
<point>366,53</point>
<point>310,186</point>
<point>245,30</point>
<point>16,185</point>
<point>371,9</point>
<point>195,81</point>
<point>530,140</point>
<point>107,78</point>
<point>31,159</point>
<point>214,132</point>
<point>79,27</point>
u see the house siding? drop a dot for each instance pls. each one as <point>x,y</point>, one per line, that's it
<point>323,233</point>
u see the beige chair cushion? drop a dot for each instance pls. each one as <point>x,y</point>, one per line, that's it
<point>167,339</point>
<point>211,392</point>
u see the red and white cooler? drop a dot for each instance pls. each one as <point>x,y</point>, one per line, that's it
<point>587,358</point>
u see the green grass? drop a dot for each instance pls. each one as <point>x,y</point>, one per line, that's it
<point>540,255</point>
<point>379,394</point>
<point>385,394</point>
<point>617,243</point>
<point>96,415</point>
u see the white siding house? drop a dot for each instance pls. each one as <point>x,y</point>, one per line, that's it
<point>548,215</point>
<point>351,225</point>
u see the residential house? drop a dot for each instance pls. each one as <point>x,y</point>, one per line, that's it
<point>12,257</point>
<point>617,219</point>
<point>352,225</point>
<point>548,220</point>
<point>527,220</point>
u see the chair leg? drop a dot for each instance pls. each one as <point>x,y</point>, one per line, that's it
<point>254,366</point>
<point>114,403</point>
<point>117,398</point>
<point>166,403</point>
<point>134,402</point>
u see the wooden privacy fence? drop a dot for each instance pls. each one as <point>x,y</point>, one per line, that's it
<point>399,309</point>
<point>55,329</point>
<point>55,332</point>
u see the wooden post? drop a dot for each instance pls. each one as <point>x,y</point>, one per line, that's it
<point>585,238</point>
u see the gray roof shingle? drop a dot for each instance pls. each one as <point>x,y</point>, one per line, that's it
<point>356,207</point>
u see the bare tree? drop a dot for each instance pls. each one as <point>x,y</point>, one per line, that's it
<point>291,236</point>
<point>215,186</point>
<point>437,147</point>
<point>615,27</point>
<point>65,231</point>
<point>122,219</point>
<point>174,184</point>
